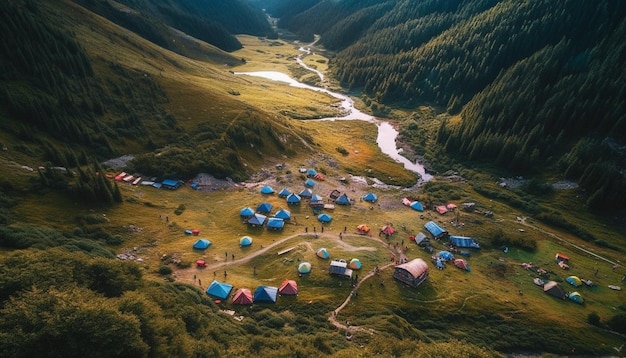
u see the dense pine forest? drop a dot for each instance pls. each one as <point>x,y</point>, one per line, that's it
<point>536,84</point>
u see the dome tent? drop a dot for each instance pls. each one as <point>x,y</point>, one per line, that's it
<point>304,267</point>
<point>370,197</point>
<point>267,190</point>
<point>324,218</point>
<point>246,212</point>
<point>323,253</point>
<point>355,264</point>
<point>202,244</point>
<point>245,241</point>
<point>219,289</point>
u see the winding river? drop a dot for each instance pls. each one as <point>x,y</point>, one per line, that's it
<point>387,134</point>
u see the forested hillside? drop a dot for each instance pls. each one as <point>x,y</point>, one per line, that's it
<point>536,83</point>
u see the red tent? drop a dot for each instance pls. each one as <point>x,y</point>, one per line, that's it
<point>387,230</point>
<point>242,296</point>
<point>288,287</point>
<point>441,209</point>
<point>195,232</point>
<point>201,263</point>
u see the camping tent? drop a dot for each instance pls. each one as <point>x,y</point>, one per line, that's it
<point>323,253</point>
<point>257,219</point>
<point>370,197</point>
<point>245,241</point>
<point>275,223</point>
<point>451,206</point>
<point>304,267</point>
<point>576,297</point>
<point>363,228</point>
<point>289,288</point>
<point>265,294</point>
<point>283,193</point>
<point>202,244</point>
<point>309,183</point>
<point>311,172</point>
<point>561,257</point>
<point>445,255</point>
<point>462,264</point>
<point>325,218</point>
<point>293,198</point>
<point>319,176</point>
<point>416,205</point>
<point>200,263</point>
<point>219,289</point>
<point>412,273</point>
<point>574,281</point>
<point>441,209</point>
<point>267,190</point>
<point>283,214</point>
<point>246,212</point>
<point>317,198</point>
<point>242,296</point>
<point>465,242</point>
<point>435,230</point>
<point>343,200</point>
<point>195,232</point>
<point>264,208</point>
<point>421,239</point>
<point>306,193</point>
<point>355,264</point>
<point>553,289</point>
<point>387,230</point>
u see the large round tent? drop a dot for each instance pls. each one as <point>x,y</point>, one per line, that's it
<point>245,241</point>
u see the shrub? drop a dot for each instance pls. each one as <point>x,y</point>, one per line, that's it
<point>343,151</point>
<point>593,318</point>
<point>165,270</point>
<point>179,210</point>
<point>618,323</point>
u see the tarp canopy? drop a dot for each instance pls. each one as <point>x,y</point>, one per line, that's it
<point>445,255</point>
<point>465,242</point>
<point>242,296</point>
<point>267,190</point>
<point>416,205</point>
<point>283,214</point>
<point>322,253</point>
<point>257,219</point>
<point>283,193</point>
<point>355,264</point>
<point>363,228</point>
<point>293,198</point>
<point>219,289</point>
<point>288,287</point>
<point>245,241</point>
<point>304,267</point>
<point>325,218</point>
<point>419,238</point>
<point>343,200</point>
<point>306,193</point>
<point>309,183</point>
<point>370,197</point>
<point>576,297</point>
<point>275,223</point>
<point>265,294</point>
<point>246,212</point>
<point>462,264</point>
<point>264,208</point>
<point>202,244</point>
<point>574,281</point>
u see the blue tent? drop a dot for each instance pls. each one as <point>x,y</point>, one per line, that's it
<point>219,289</point>
<point>283,214</point>
<point>202,244</point>
<point>264,208</point>
<point>311,172</point>
<point>343,200</point>
<point>445,255</point>
<point>293,199</point>
<point>325,218</point>
<point>275,223</point>
<point>371,197</point>
<point>306,193</point>
<point>463,241</point>
<point>576,297</point>
<point>316,198</point>
<point>267,190</point>
<point>246,212</point>
<point>257,219</point>
<point>416,205</point>
<point>435,230</point>
<point>322,253</point>
<point>245,241</point>
<point>309,183</point>
<point>265,294</point>
<point>284,193</point>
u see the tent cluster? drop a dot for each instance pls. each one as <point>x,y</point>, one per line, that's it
<point>554,289</point>
<point>244,296</point>
<point>259,217</point>
<point>413,204</point>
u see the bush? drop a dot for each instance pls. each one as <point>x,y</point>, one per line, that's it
<point>618,323</point>
<point>179,210</point>
<point>594,319</point>
<point>165,270</point>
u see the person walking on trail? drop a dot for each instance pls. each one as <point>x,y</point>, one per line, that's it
<point>233,257</point>
<point>225,274</point>
<point>226,255</point>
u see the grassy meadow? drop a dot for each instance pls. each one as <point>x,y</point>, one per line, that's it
<point>496,298</point>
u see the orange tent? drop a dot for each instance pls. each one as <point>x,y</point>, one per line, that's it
<point>363,228</point>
